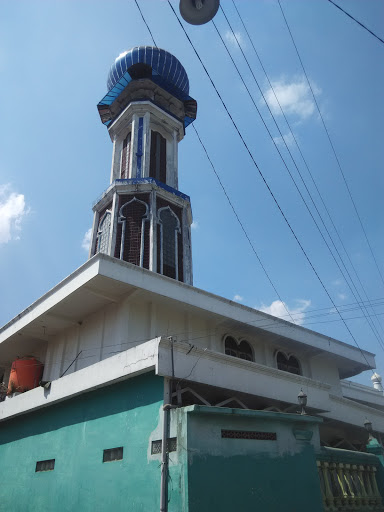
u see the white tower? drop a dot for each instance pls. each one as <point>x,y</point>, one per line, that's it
<point>142,217</point>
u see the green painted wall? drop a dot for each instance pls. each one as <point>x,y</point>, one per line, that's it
<point>207,473</point>
<point>75,433</point>
<point>245,475</point>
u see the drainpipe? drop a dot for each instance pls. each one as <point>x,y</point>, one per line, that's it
<point>164,460</point>
<point>164,443</point>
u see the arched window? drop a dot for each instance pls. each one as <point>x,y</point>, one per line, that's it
<point>158,157</point>
<point>169,231</point>
<point>288,363</point>
<point>125,157</point>
<point>241,350</point>
<point>133,216</point>
<point>103,233</point>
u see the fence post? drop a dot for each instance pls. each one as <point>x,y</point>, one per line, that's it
<point>377,449</point>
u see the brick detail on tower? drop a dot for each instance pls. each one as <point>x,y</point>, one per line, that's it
<point>133,219</point>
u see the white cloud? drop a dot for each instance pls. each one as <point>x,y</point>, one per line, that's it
<point>231,39</point>
<point>294,97</point>
<point>238,298</point>
<point>87,240</point>
<point>337,282</point>
<point>288,138</point>
<point>281,310</point>
<point>342,296</point>
<point>194,224</point>
<point>12,211</point>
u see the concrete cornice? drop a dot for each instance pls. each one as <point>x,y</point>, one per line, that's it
<point>63,289</point>
<point>356,405</point>
<point>139,188</point>
<point>126,274</point>
<point>141,107</point>
<point>253,318</point>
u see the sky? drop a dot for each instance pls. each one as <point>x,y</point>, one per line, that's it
<point>55,154</point>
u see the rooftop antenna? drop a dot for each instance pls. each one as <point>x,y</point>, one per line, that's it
<point>198,12</point>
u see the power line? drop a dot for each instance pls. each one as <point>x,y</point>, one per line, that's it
<point>241,224</point>
<point>331,144</point>
<point>264,180</point>
<point>369,321</point>
<point>305,162</point>
<point>146,24</point>
<point>225,192</point>
<point>229,200</point>
<point>357,21</point>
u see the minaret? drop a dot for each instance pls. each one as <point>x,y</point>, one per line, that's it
<point>142,217</point>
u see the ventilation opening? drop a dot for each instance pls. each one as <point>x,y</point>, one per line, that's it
<point>113,454</point>
<point>245,434</point>
<point>157,445</point>
<point>45,465</point>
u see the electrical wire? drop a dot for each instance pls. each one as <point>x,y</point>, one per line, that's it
<point>241,224</point>
<point>259,170</point>
<point>357,21</point>
<point>146,24</point>
<point>331,144</point>
<point>229,200</point>
<point>265,181</point>
<point>369,320</point>
<point>227,195</point>
<point>305,163</point>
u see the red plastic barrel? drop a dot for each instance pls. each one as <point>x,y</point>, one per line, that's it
<point>26,374</point>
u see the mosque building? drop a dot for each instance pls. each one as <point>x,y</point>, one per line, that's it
<point>128,388</point>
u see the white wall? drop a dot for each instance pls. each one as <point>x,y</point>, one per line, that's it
<point>324,369</point>
<point>120,326</point>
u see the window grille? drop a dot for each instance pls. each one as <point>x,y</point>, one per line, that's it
<point>103,233</point>
<point>112,454</point>
<point>242,350</point>
<point>169,229</point>
<point>133,216</point>
<point>157,445</point>
<point>288,364</point>
<point>45,465</point>
<point>245,434</point>
<point>126,157</point>
<point>158,157</point>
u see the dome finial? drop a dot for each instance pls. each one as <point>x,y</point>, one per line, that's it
<point>377,382</point>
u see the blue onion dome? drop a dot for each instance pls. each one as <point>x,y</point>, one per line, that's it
<point>150,62</point>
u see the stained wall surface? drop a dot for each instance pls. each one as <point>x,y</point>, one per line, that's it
<point>252,474</point>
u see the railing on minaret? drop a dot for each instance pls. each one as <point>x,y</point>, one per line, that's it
<point>143,218</point>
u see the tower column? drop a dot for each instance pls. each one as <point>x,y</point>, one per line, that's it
<point>143,218</point>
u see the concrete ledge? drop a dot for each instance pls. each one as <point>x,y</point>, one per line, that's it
<point>264,415</point>
<point>127,364</point>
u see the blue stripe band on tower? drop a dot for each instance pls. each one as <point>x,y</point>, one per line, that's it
<point>139,147</point>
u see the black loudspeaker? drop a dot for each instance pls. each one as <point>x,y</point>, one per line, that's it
<point>198,12</point>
